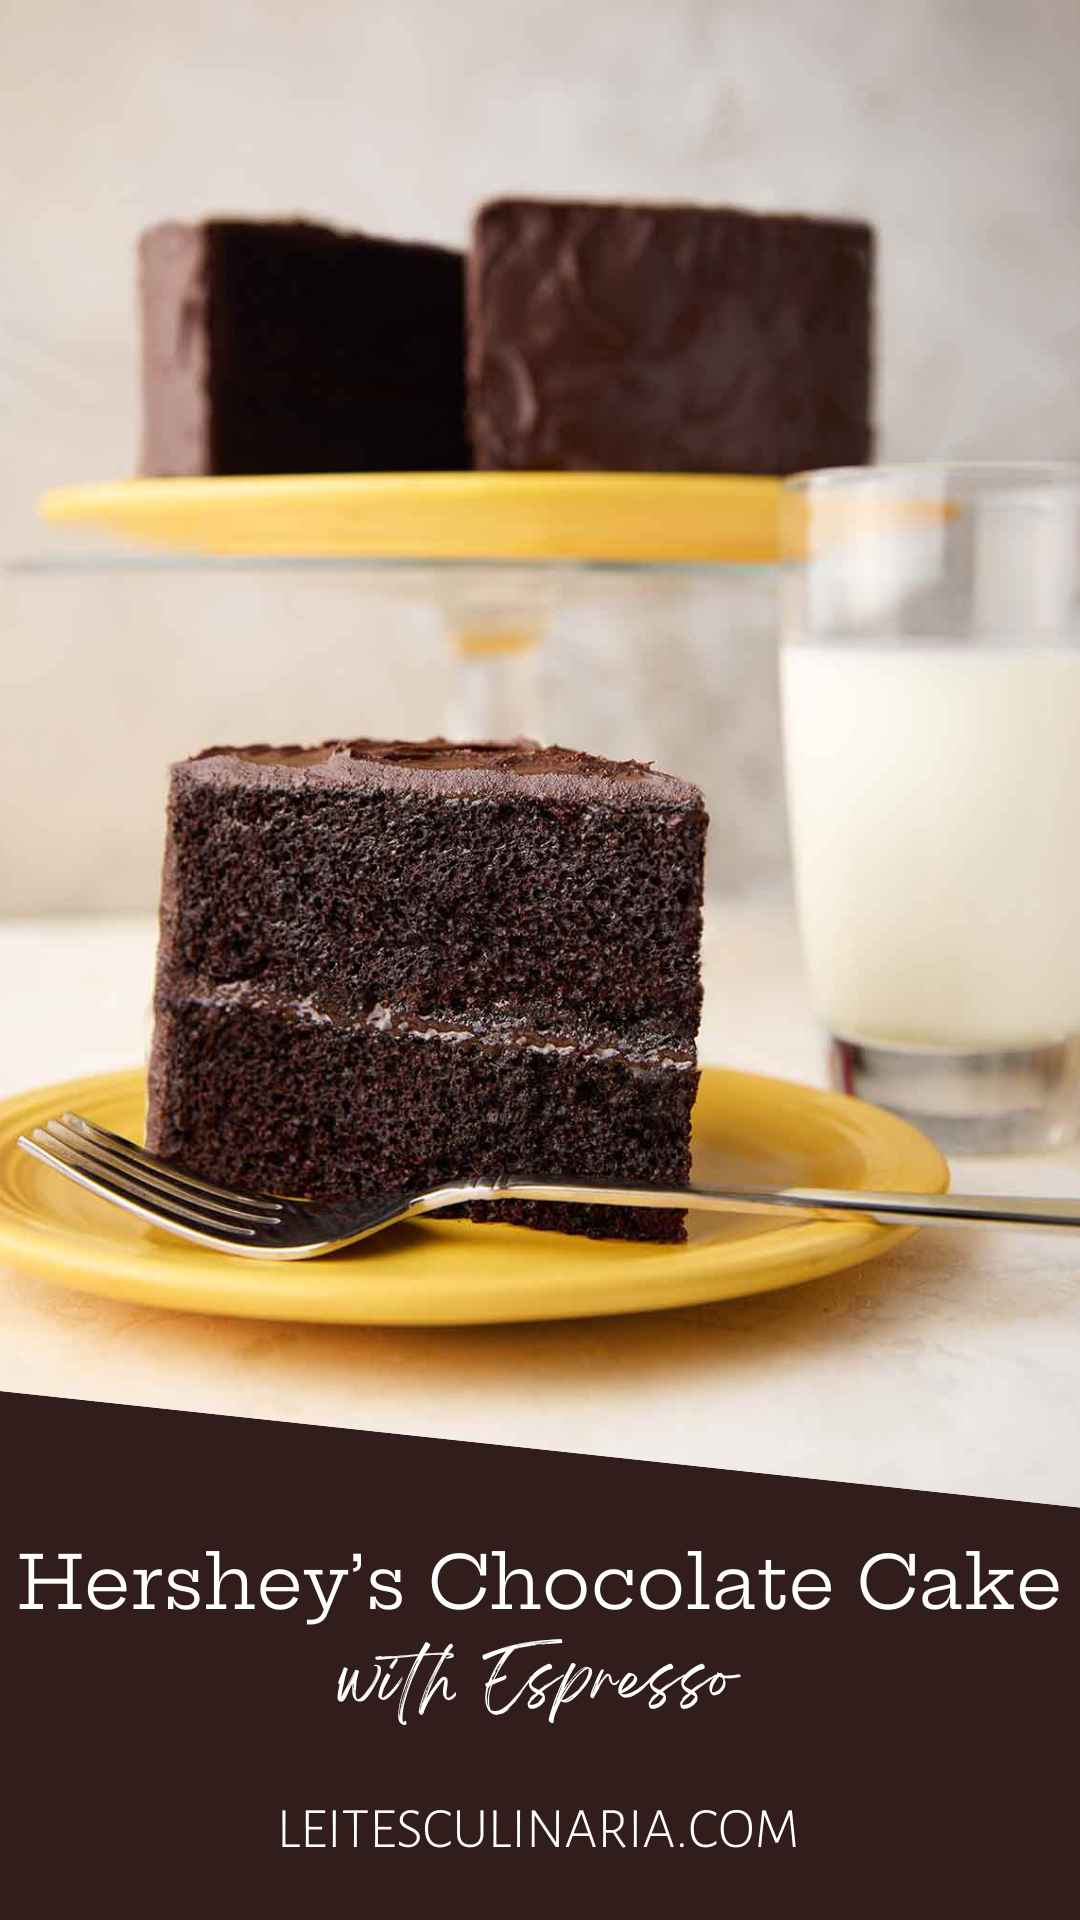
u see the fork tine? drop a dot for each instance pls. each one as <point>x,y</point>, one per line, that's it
<point>263,1205</point>
<point>181,1193</point>
<point>127,1191</point>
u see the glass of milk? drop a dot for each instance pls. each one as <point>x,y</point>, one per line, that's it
<point>931,694</point>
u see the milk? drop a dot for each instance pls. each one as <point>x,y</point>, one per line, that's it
<point>934,798</point>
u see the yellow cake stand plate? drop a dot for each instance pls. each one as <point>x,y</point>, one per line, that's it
<point>623,519</point>
<point>443,1273</point>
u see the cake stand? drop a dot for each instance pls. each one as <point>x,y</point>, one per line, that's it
<point>501,555</point>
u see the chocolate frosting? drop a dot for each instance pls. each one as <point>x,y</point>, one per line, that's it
<point>484,768</point>
<point>174,303</point>
<point>641,1044</point>
<point>286,346</point>
<point>667,338</point>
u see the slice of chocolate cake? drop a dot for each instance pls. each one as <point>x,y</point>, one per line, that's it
<point>386,965</point>
<point>286,347</point>
<point>668,339</point>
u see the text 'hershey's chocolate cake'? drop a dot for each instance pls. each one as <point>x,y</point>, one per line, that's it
<point>668,338</point>
<point>387,965</point>
<point>283,346</point>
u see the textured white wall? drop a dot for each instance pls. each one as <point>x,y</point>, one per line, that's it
<point>950,123</point>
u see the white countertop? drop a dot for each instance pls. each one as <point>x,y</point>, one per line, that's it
<point>952,1363</point>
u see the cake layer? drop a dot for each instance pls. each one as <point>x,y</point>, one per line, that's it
<point>541,882</point>
<point>261,1092</point>
<point>287,347</point>
<point>668,339</point>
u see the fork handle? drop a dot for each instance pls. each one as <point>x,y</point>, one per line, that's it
<point>823,1203</point>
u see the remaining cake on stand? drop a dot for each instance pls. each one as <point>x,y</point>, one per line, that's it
<point>668,339</point>
<point>386,965</point>
<point>282,346</point>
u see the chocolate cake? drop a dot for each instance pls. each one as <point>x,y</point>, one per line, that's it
<point>386,965</point>
<point>668,339</point>
<point>286,347</point>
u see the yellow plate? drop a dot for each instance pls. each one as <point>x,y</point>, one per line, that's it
<point>434,1272</point>
<point>680,519</point>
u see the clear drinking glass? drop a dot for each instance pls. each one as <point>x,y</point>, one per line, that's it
<point>931,694</point>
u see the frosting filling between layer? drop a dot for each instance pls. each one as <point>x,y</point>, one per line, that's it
<point>641,1047</point>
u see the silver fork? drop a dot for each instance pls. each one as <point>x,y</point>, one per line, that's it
<point>266,1227</point>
